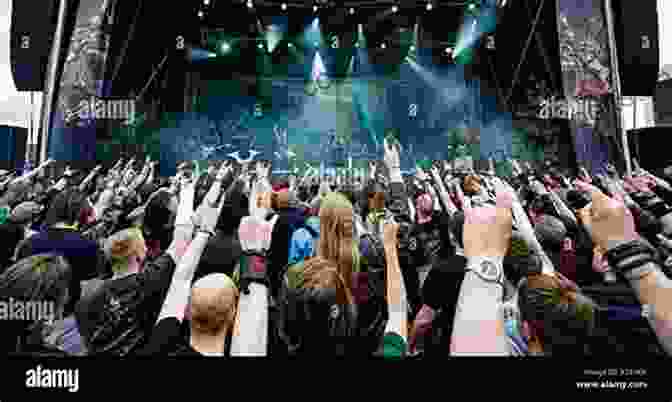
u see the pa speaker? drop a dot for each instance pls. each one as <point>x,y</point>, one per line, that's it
<point>636,28</point>
<point>32,34</point>
<point>662,103</point>
<point>645,147</point>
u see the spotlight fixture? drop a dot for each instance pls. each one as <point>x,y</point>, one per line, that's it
<point>449,50</point>
<point>260,46</point>
<point>412,48</point>
<point>429,7</point>
<point>395,9</point>
<point>314,9</point>
<point>200,14</point>
<point>249,4</point>
<point>383,46</point>
<point>226,47</point>
<point>290,44</point>
<point>352,11</point>
<point>356,44</point>
<point>206,2</point>
<point>284,6</point>
<point>472,7</point>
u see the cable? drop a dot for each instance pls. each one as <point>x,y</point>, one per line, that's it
<point>522,56</point>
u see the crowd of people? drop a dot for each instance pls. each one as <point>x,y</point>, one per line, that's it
<point>234,262</point>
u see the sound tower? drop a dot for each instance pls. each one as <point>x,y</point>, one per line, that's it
<point>636,28</point>
<point>32,33</point>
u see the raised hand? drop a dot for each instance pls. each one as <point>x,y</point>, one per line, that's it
<point>608,220</point>
<point>488,230</point>
<point>391,156</point>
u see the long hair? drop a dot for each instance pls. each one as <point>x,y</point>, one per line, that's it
<point>562,318</point>
<point>336,243</point>
<point>41,280</point>
<point>321,274</point>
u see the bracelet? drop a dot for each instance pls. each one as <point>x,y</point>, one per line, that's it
<point>626,258</point>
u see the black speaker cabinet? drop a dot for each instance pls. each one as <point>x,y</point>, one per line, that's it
<point>32,34</point>
<point>636,28</point>
<point>645,146</point>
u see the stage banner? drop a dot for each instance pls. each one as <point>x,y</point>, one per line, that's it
<point>589,101</point>
<point>80,108</point>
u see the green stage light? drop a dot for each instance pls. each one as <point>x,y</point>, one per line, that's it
<point>225,47</point>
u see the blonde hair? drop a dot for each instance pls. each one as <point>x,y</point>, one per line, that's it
<point>320,273</point>
<point>122,245</point>
<point>336,243</point>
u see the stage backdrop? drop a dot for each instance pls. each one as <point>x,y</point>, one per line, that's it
<point>587,76</point>
<point>81,79</point>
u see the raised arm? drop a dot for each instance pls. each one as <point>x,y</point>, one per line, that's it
<point>612,227</point>
<point>478,327</point>
<point>250,337</point>
<point>204,221</point>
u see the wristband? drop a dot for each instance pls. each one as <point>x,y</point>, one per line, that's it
<point>253,268</point>
<point>209,232</point>
<point>627,258</point>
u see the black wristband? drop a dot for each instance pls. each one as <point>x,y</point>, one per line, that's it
<point>629,256</point>
<point>659,209</point>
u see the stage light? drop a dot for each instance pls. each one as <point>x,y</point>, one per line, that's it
<point>225,47</point>
<point>382,46</point>
<point>317,44</point>
<point>472,7</point>
<point>260,46</point>
<point>429,6</point>
<point>352,11</point>
<point>249,4</point>
<point>314,9</point>
<point>200,14</point>
<point>356,44</point>
<point>290,45</point>
<point>412,48</point>
<point>284,6</point>
<point>449,50</point>
<point>206,2</point>
<point>395,9</point>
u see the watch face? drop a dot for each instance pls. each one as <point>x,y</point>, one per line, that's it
<point>489,270</point>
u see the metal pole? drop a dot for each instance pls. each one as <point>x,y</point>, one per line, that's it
<point>50,84</point>
<point>616,78</point>
<point>30,139</point>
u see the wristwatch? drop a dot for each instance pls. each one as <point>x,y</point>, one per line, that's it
<point>491,270</point>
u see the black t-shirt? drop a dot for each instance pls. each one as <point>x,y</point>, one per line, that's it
<point>440,292</point>
<point>168,339</point>
<point>428,241</point>
<point>221,255</point>
<point>11,234</point>
<point>117,319</point>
